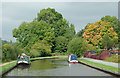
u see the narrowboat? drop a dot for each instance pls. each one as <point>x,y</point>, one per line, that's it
<point>72,58</point>
<point>23,59</point>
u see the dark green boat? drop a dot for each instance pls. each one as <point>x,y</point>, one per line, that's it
<point>23,59</point>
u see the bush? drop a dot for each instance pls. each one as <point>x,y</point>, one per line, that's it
<point>99,51</point>
<point>59,54</point>
<point>93,56</point>
<point>103,55</point>
<point>77,46</point>
<point>86,54</point>
<point>97,57</point>
<point>113,59</point>
<point>41,48</point>
<point>10,52</point>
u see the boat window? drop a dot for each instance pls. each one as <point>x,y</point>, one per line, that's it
<point>18,57</point>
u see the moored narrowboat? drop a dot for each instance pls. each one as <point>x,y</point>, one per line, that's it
<point>72,58</point>
<point>23,59</point>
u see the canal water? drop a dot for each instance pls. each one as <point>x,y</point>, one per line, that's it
<point>55,67</point>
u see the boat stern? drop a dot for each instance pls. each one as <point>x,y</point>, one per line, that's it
<point>73,61</point>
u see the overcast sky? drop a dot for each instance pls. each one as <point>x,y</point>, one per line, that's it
<point>78,13</point>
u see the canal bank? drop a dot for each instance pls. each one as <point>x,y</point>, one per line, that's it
<point>54,67</point>
<point>102,67</point>
<point>63,57</point>
<point>6,67</point>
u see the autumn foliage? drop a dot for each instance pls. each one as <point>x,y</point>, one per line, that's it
<point>94,32</point>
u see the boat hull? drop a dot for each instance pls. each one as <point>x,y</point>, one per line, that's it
<point>73,61</point>
<point>23,62</point>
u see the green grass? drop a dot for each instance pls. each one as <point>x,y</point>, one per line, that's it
<point>110,68</point>
<point>6,67</point>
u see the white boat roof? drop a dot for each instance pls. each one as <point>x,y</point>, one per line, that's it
<point>23,54</point>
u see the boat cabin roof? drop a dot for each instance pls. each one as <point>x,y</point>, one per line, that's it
<point>73,57</point>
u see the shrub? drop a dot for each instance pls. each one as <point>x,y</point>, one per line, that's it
<point>77,46</point>
<point>40,48</point>
<point>10,52</point>
<point>99,51</point>
<point>59,54</point>
<point>103,55</point>
<point>93,56</point>
<point>113,59</point>
<point>97,57</point>
<point>86,54</point>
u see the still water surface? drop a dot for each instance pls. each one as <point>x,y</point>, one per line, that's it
<point>55,67</point>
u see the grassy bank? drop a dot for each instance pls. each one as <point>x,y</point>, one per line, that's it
<point>110,68</point>
<point>6,67</point>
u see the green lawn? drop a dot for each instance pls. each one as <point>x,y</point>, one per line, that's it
<point>111,68</point>
<point>6,67</point>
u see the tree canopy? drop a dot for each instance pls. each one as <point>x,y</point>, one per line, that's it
<point>40,48</point>
<point>49,32</point>
<point>115,24</point>
<point>113,21</point>
<point>49,26</point>
<point>77,46</point>
<point>94,32</point>
<point>61,43</point>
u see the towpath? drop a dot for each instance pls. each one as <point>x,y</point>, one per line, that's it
<point>103,62</point>
<point>7,63</point>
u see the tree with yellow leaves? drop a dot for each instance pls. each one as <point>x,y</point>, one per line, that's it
<point>94,33</point>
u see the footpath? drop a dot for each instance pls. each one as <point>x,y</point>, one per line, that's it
<point>103,62</point>
<point>7,63</point>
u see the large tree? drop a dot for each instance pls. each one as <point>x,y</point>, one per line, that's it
<point>61,43</point>
<point>80,33</point>
<point>29,33</point>
<point>58,24</point>
<point>94,32</point>
<point>108,42</point>
<point>113,21</point>
<point>48,25</point>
